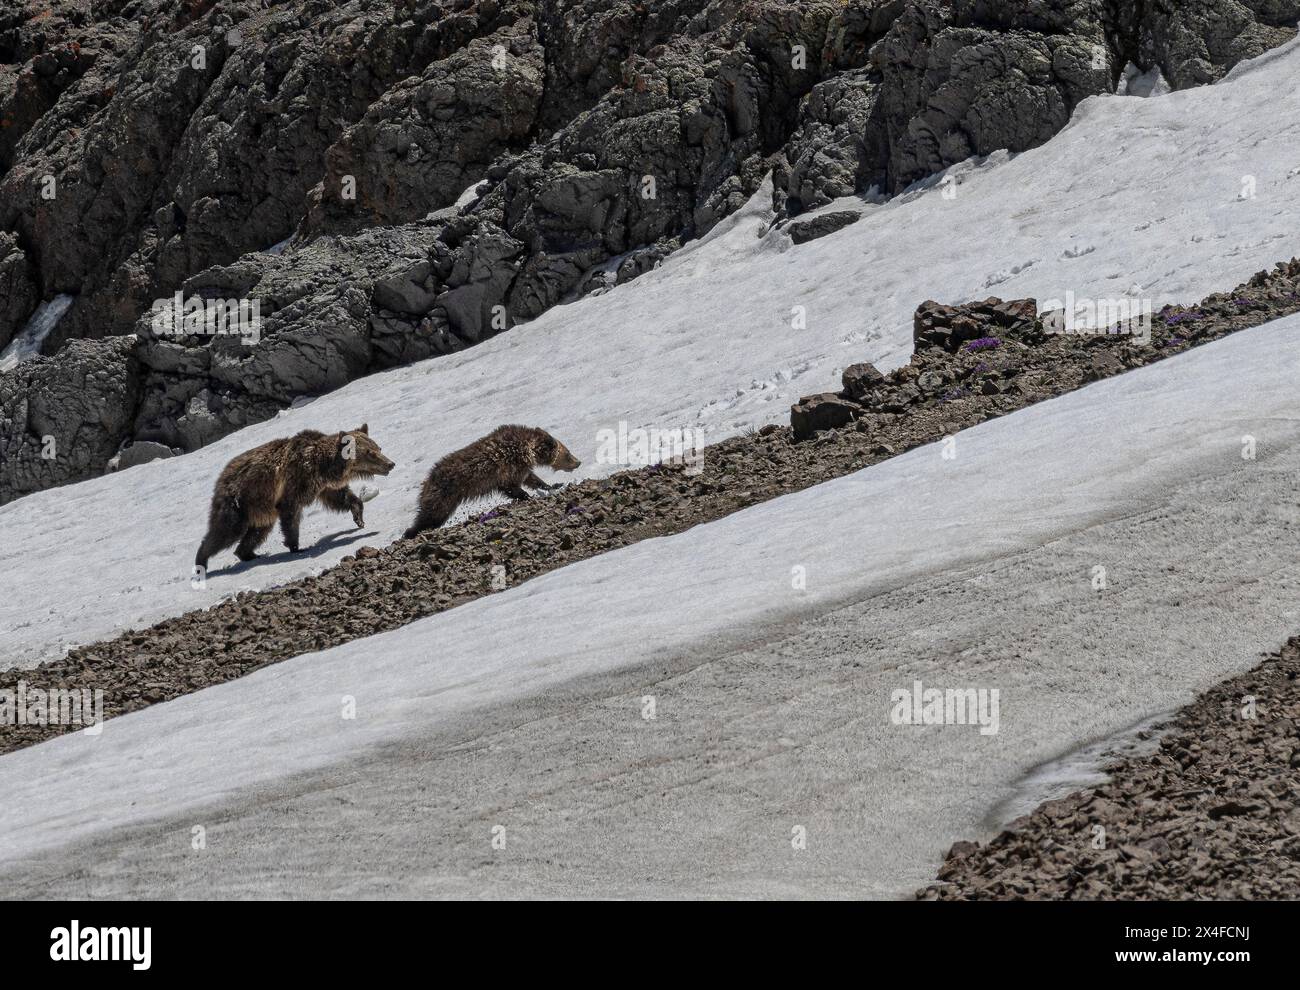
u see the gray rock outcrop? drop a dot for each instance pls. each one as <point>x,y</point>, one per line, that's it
<point>63,418</point>
<point>151,148</point>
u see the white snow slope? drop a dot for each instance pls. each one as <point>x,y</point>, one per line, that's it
<point>1097,456</point>
<point>1133,192</point>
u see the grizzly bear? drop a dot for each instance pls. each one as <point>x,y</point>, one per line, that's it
<point>501,461</point>
<point>279,479</point>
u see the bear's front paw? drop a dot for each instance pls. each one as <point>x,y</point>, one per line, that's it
<point>358,515</point>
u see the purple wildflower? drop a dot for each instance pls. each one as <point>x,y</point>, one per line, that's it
<point>983,344</point>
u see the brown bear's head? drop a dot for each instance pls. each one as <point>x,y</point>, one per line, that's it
<point>361,455</point>
<point>553,454</point>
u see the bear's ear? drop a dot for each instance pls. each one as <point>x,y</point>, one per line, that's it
<point>545,448</point>
<point>365,428</point>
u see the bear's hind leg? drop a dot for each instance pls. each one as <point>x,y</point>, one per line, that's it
<point>253,537</point>
<point>225,526</point>
<point>431,516</point>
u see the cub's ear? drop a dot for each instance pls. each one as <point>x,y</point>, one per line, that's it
<point>545,448</point>
<point>365,428</point>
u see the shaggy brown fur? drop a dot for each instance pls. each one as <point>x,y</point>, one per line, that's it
<point>279,479</point>
<point>501,461</point>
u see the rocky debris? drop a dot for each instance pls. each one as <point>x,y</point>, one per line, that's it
<point>379,589</point>
<point>950,327</point>
<point>60,417</point>
<point>18,295</point>
<point>602,278</point>
<point>1210,815</point>
<point>141,452</point>
<point>987,342</point>
<point>802,231</point>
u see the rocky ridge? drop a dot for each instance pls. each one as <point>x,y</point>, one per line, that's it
<point>599,135</point>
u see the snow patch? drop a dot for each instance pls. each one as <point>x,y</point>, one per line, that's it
<point>27,342</point>
<point>1135,82</point>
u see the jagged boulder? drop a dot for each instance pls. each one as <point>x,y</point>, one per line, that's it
<point>949,327</point>
<point>315,333</point>
<point>953,345</point>
<point>826,411</point>
<point>802,231</point>
<point>425,140</point>
<point>1195,42</point>
<point>142,452</point>
<point>62,418</point>
<point>18,295</point>
<point>837,149</point>
<point>967,78</point>
<point>859,380</point>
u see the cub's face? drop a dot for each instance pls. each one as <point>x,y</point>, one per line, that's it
<point>562,460</point>
<point>362,455</point>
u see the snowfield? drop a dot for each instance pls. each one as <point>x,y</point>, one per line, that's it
<point>524,710</point>
<point>1135,192</point>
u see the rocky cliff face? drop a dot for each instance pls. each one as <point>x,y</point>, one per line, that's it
<point>149,148</point>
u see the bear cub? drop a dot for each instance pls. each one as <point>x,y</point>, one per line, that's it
<point>501,461</point>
